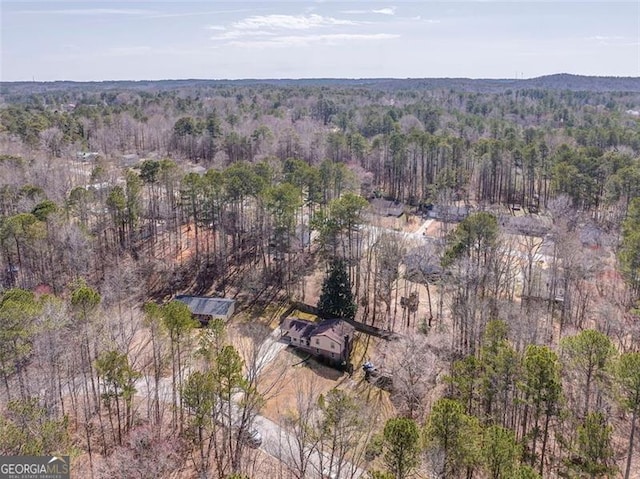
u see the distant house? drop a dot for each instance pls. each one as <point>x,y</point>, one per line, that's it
<point>129,160</point>
<point>206,308</point>
<point>87,155</point>
<point>384,207</point>
<point>452,213</point>
<point>197,169</point>
<point>329,340</point>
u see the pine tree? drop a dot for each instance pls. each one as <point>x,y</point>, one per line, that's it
<point>402,445</point>
<point>118,379</point>
<point>455,435</point>
<point>594,454</point>
<point>543,389</point>
<point>627,377</point>
<point>588,354</point>
<point>500,452</point>
<point>336,299</point>
<point>629,253</point>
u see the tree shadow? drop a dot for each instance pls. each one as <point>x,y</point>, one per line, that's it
<point>322,370</point>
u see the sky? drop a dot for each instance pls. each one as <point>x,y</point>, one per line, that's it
<point>153,40</point>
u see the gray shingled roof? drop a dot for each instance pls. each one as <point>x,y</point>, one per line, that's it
<point>335,329</point>
<point>206,305</point>
<point>301,326</point>
<point>387,207</point>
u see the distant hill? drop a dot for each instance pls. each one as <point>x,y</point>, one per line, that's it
<point>561,81</point>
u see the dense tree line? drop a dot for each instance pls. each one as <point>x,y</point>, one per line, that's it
<point>247,191</point>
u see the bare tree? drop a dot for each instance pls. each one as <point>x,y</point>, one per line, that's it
<point>299,439</point>
<point>148,454</point>
<point>414,368</point>
<point>389,252</point>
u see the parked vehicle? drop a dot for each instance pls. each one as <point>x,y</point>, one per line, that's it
<point>251,437</point>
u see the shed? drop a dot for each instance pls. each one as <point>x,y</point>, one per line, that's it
<point>206,308</point>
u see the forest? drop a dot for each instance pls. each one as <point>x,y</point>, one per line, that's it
<point>490,230</point>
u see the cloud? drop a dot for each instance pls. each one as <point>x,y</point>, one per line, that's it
<point>90,11</point>
<point>133,11</point>
<point>603,38</point>
<point>614,41</point>
<point>330,39</point>
<point>386,11</point>
<point>235,34</point>
<point>293,30</point>
<point>127,51</point>
<point>380,11</point>
<point>289,22</point>
<point>200,13</point>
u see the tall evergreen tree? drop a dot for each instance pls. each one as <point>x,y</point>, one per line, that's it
<point>629,253</point>
<point>627,376</point>
<point>500,452</point>
<point>588,354</point>
<point>336,299</point>
<point>455,435</point>
<point>594,452</point>
<point>402,444</point>
<point>543,389</point>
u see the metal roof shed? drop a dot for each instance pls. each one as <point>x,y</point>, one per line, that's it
<point>206,308</point>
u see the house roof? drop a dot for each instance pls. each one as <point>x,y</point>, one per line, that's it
<point>206,305</point>
<point>449,211</point>
<point>198,169</point>
<point>334,329</point>
<point>387,207</point>
<point>300,326</point>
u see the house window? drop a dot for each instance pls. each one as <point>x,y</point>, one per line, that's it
<point>333,346</point>
<point>317,351</point>
<point>317,340</point>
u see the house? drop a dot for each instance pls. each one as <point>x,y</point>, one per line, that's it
<point>197,169</point>
<point>329,340</point>
<point>87,155</point>
<point>129,160</point>
<point>206,308</point>
<point>449,213</point>
<point>384,207</point>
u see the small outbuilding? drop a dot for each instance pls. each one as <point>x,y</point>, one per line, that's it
<point>206,308</point>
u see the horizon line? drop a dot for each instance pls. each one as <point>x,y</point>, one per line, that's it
<point>267,79</point>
